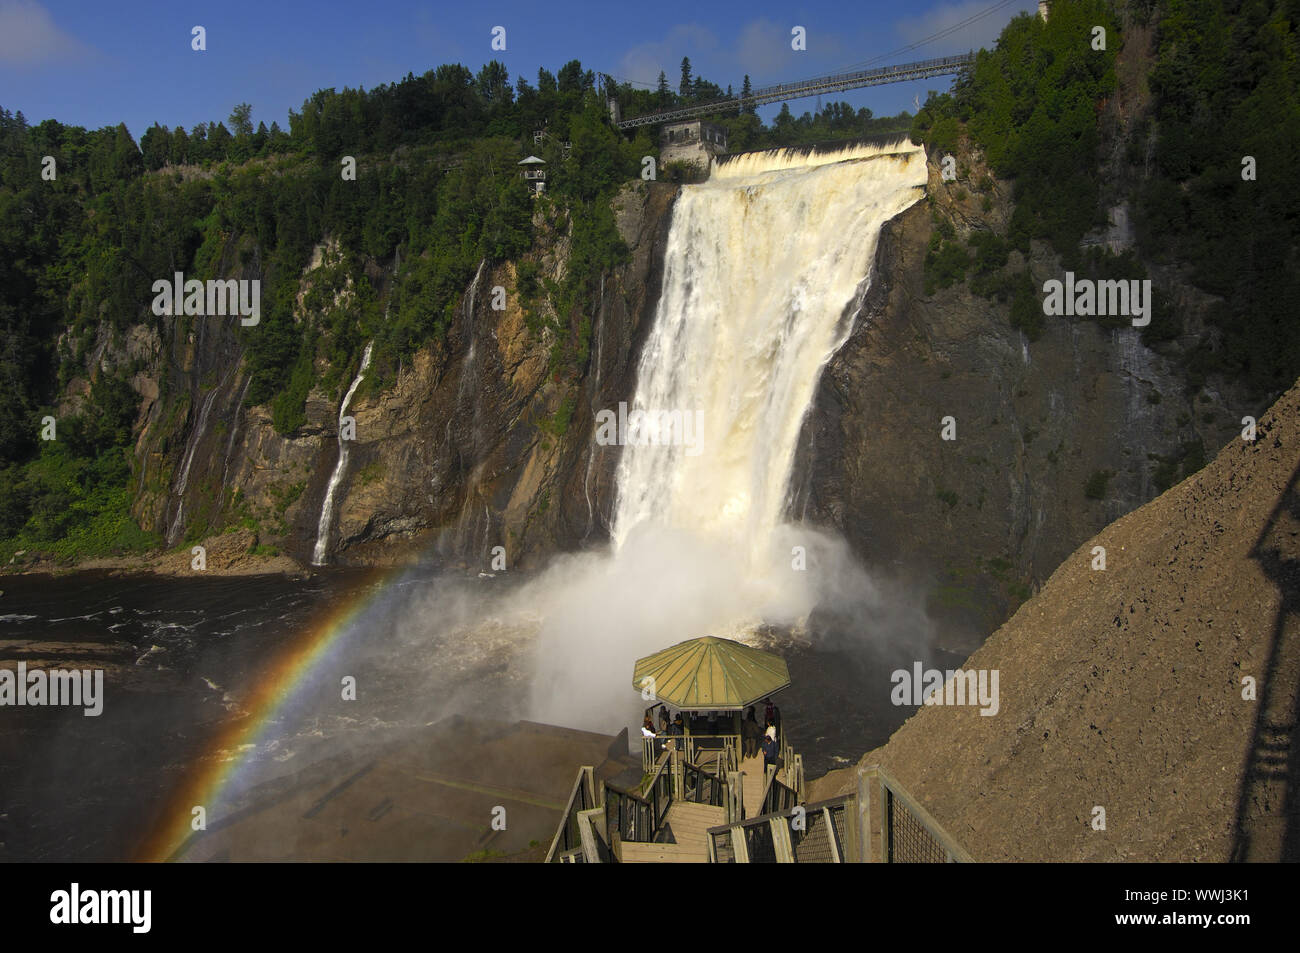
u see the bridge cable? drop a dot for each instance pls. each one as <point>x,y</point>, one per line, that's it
<point>938,35</point>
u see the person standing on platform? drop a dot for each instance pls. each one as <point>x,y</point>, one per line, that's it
<point>770,750</point>
<point>750,733</point>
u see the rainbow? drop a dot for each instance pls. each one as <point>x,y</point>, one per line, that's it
<point>213,774</point>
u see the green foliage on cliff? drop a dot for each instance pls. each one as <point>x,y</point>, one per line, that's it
<point>437,193</point>
<point>946,261</point>
<point>1095,486</point>
<point>72,500</point>
<point>1227,85</point>
<point>1031,104</point>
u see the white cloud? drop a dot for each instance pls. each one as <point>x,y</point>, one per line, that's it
<point>763,49</point>
<point>981,33</point>
<point>29,37</point>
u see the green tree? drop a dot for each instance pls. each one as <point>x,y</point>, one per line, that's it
<point>241,120</point>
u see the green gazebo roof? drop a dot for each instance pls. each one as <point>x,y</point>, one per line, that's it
<point>711,674</point>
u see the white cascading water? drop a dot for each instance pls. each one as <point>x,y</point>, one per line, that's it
<point>765,269</point>
<point>196,436</point>
<point>321,548</point>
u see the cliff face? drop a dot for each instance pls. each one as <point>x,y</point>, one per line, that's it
<point>987,515</point>
<point>1162,689</point>
<point>459,455</point>
<point>465,451</point>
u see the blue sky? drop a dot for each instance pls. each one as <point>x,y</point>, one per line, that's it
<point>96,63</point>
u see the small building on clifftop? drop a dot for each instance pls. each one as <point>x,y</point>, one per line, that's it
<point>695,143</point>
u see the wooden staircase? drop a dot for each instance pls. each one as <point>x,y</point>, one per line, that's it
<point>752,785</point>
<point>687,827</point>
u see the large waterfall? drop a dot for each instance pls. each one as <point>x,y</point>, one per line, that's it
<point>765,267</point>
<point>765,270</point>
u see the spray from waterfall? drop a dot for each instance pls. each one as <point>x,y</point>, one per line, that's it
<point>321,548</point>
<point>765,271</point>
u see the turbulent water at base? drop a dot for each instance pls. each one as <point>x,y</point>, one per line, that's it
<point>321,549</point>
<point>765,266</point>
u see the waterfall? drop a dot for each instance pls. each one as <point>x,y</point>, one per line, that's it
<point>327,506</point>
<point>234,428</point>
<point>468,366</point>
<point>595,396</point>
<point>765,270</point>
<point>196,437</point>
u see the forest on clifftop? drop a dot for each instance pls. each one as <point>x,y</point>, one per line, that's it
<point>437,192</point>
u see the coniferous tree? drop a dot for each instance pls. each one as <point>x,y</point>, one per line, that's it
<point>241,120</point>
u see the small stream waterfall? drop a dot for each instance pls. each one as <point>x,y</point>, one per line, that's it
<point>177,526</point>
<point>471,354</point>
<point>321,548</point>
<point>598,332</point>
<point>466,387</point>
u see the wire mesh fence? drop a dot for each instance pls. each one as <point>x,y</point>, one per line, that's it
<point>909,841</point>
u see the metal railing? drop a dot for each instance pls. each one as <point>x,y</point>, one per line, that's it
<point>838,82</point>
<point>908,832</point>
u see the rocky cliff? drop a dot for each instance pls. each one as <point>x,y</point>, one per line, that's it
<point>469,448</point>
<point>474,443</point>
<point>1162,689</point>
<point>988,515</point>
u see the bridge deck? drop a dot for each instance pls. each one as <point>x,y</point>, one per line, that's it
<point>835,83</point>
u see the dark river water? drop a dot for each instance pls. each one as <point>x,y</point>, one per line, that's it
<point>183,658</point>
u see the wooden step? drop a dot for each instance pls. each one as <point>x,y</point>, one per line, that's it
<point>664,854</point>
<point>707,814</point>
<point>752,785</point>
<point>688,824</point>
<point>693,820</point>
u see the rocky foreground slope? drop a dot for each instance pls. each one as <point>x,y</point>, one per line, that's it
<point>1128,688</point>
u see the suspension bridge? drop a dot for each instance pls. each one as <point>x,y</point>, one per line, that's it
<point>835,83</point>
